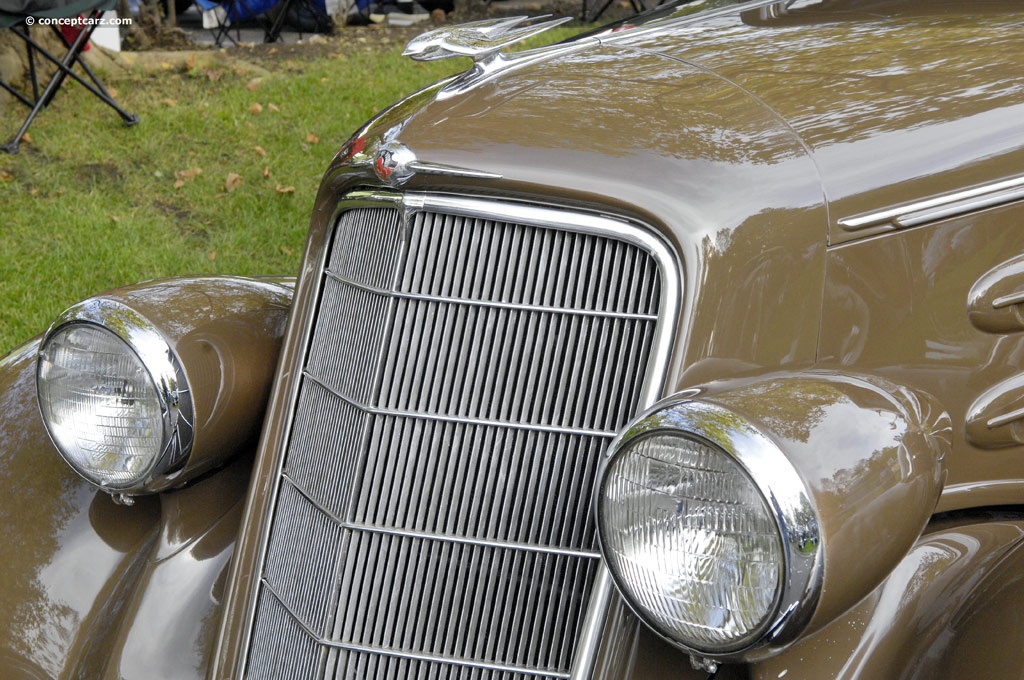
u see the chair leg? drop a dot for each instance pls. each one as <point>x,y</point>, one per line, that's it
<point>64,67</point>
<point>595,13</point>
<point>22,98</point>
<point>224,31</point>
<point>13,146</point>
<point>273,34</point>
<point>32,69</point>
<point>97,87</point>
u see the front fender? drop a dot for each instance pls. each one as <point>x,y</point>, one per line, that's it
<point>93,589</point>
<point>951,607</point>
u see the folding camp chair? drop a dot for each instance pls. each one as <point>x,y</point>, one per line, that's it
<point>230,14</point>
<point>314,12</point>
<point>18,15</point>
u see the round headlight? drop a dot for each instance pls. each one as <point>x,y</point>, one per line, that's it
<point>113,398</point>
<point>707,529</point>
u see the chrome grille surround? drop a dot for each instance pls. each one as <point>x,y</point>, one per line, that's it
<point>432,514</point>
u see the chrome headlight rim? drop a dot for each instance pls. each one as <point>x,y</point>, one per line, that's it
<point>785,494</point>
<point>167,377</point>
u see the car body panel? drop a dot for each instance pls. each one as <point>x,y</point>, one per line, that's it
<point>943,613</point>
<point>744,141</point>
<point>939,349</point>
<point>92,588</point>
<point>70,554</point>
<point>877,91</point>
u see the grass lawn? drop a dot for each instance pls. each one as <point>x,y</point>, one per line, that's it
<point>89,205</point>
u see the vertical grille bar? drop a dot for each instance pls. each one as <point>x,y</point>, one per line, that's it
<point>463,376</point>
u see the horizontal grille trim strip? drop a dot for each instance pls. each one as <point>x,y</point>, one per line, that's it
<point>555,429</point>
<point>368,649</point>
<point>422,297</point>
<point>407,533</point>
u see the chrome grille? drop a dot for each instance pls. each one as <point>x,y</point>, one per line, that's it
<point>464,374</point>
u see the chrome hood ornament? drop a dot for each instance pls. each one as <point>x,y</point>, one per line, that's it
<point>482,41</point>
<point>479,40</point>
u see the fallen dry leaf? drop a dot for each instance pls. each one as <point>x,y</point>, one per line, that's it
<point>182,177</point>
<point>260,151</point>
<point>213,255</point>
<point>27,138</point>
<point>284,190</point>
<point>170,102</point>
<point>272,51</point>
<point>272,107</point>
<point>6,176</point>
<point>112,92</point>
<point>312,138</point>
<point>253,85</point>
<point>188,175</point>
<point>256,108</point>
<point>190,63</point>
<point>233,181</point>
<point>325,80</point>
<point>266,172</point>
<point>214,75</point>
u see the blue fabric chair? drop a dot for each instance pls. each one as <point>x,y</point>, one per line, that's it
<point>17,16</point>
<point>272,14</point>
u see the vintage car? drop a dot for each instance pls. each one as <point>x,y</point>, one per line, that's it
<point>690,347</point>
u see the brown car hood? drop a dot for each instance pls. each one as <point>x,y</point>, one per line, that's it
<point>895,101</point>
<point>613,127</point>
<point>704,121</point>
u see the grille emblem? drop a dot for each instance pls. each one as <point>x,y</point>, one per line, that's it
<point>393,163</point>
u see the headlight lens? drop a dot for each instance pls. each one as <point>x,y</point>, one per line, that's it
<point>703,553</point>
<point>113,398</point>
<point>101,404</point>
<point>689,524</point>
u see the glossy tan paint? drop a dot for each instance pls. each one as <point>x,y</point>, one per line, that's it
<point>54,618</point>
<point>94,589</point>
<point>941,349</point>
<point>911,627</point>
<point>227,333</point>
<point>895,102</point>
<point>871,455</point>
<point>744,151</point>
